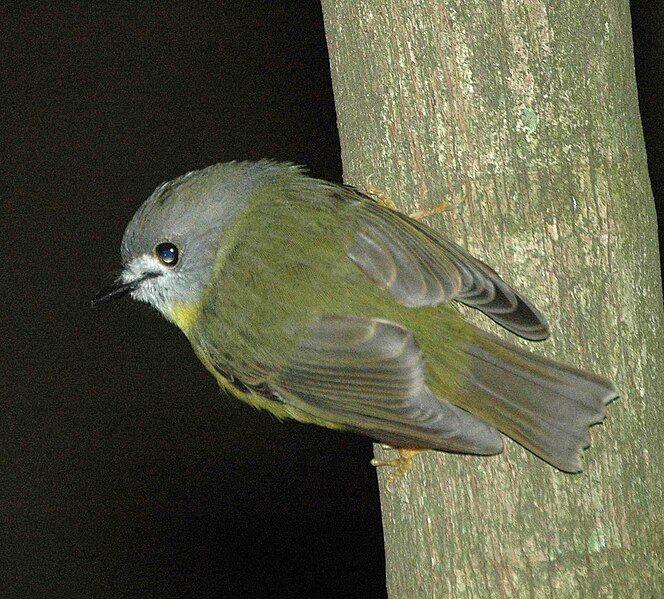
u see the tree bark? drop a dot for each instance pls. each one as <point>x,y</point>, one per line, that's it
<point>523,116</point>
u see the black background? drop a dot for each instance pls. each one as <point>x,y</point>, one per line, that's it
<point>123,472</point>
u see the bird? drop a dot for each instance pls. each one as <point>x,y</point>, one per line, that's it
<point>319,303</point>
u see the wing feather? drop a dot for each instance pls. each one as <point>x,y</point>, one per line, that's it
<point>419,267</point>
<point>367,375</point>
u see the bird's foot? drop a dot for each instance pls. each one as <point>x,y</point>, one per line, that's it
<point>383,199</point>
<point>437,209</point>
<point>400,465</point>
<point>379,195</point>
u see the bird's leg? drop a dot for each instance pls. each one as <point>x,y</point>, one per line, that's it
<point>382,198</point>
<point>437,209</point>
<point>399,464</point>
<point>380,195</point>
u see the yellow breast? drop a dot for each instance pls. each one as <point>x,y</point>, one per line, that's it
<point>185,315</point>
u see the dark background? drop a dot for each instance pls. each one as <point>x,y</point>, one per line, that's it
<point>123,472</point>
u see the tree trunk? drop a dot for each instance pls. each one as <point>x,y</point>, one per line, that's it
<point>523,116</point>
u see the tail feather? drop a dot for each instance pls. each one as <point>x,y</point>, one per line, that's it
<point>546,406</point>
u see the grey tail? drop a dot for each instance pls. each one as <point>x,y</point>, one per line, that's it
<point>546,406</point>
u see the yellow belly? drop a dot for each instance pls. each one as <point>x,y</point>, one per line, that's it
<point>282,411</point>
<point>185,317</point>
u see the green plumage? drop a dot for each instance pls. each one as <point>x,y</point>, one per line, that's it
<point>314,302</point>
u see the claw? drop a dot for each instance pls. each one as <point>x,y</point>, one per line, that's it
<point>399,464</point>
<point>382,198</point>
<point>437,209</point>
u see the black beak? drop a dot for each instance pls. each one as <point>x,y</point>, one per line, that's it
<point>119,289</point>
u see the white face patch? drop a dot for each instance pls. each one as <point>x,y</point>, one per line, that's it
<point>153,291</point>
<point>141,265</point>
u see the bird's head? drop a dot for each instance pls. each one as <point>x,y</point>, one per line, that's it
<point>170,246</point>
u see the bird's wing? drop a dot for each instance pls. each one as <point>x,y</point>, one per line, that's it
<point>367,375</point>
<point>419,267</point>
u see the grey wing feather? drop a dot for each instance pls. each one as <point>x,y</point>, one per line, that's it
<point>367,375</point>
<point>419,267</point>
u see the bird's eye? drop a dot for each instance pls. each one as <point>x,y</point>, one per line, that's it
<point>167,253</point>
